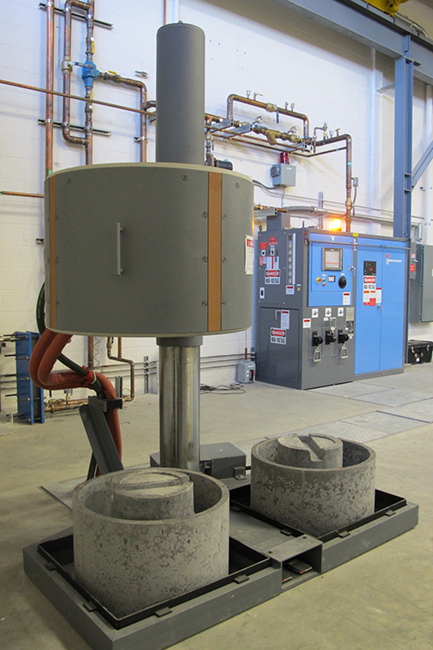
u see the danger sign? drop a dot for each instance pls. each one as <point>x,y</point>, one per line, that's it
<point>278,336</point>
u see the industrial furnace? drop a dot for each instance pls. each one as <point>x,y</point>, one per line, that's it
<point>330,306</point>
<point>158,554</point>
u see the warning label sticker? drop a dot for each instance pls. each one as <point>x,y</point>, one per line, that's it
<point>369,279</point>
<point>272,276</point>
<point>278,336</point>
<point>369,295</point>
<point>412,268</point>
<point>346,298</point>
<point>285,319</point>
<point>379,295</point>
<point>290,290</point>
<point>249,255</point>
<point>307,323</point>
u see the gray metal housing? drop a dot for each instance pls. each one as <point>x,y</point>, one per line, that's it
<point>129,246</point>
<point>421,284</point>
<point>292,363</point>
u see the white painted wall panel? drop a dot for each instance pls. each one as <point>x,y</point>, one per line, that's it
<point>249,46</point>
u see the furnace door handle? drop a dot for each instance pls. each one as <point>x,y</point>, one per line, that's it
<point>119,231</point>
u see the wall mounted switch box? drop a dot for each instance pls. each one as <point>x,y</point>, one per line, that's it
<point>283,175</point>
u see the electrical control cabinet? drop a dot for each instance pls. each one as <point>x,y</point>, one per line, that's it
<point>311,285</point>
<point>305,315</point>
<point>380,305</point>
<point>421,284</point>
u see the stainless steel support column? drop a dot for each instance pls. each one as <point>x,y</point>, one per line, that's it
<point>179,402</point>
<point>180,139</point>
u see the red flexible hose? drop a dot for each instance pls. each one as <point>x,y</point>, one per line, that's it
<point>44,356</point>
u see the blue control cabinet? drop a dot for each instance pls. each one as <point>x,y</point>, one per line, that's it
<point>330,306</point>
<point>331,270</point>
<point>380,305</point>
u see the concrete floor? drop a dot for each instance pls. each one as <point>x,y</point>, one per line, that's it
<point>381,600</point>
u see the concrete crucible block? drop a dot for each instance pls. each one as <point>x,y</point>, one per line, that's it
<point>313,499</point>
<point>171,537</point>
<point>144,496</point>
<point>315,451</point>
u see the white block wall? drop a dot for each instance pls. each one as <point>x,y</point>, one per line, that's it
<point>252,45</point>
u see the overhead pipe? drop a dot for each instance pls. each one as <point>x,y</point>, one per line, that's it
<point>270,108</point>
<point>56,93</point>
<point>26,194</point>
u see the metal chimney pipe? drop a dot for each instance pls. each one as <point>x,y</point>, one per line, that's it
<point>180,94</point>
<point>180,139</point>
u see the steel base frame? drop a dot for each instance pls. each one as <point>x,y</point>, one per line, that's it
<point>174,621</point>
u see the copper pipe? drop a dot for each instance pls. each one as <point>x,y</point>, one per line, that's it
<point>28,194</point>
<point>55,93</point>
<point>272,135</point>
<point>255,142</point>
<point>67,70</point>
<point>134,83</point>
<point>270,108</point>
<point>164,12</point>
<point>90,352</point>
<point>88,129</point>
<point>87,140</point>
<point>348,140</point>
<point>123,360</point>
<point>64,405</point>
<point>49,108</point>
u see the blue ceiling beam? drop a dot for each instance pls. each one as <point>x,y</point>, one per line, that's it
<point>362,22</point>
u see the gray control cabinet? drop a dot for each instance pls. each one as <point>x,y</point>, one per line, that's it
<point>305,308</point>
<point>421,284</point>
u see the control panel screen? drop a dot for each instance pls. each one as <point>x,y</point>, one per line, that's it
<point>369,268</point>
<point>332,259</point>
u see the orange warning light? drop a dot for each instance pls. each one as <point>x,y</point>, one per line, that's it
<point>336,224</point>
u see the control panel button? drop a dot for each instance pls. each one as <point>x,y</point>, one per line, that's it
<point>342,282</point>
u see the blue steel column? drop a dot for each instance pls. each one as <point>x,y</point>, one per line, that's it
<point>403,161</point>
<point>403,143</point>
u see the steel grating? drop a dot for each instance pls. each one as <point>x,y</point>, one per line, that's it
<point>422,411</point>
<point>349,390</point>
<point>387,423</point>
<point>393,397</point>
<point>345,430</point>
